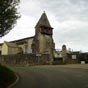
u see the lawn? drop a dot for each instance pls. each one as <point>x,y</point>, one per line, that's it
<point>7,76</point>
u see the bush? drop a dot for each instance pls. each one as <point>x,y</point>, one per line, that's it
<point>6,76</point>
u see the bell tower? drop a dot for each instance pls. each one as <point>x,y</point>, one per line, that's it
<point>44,26</point>
<point>43,37</point>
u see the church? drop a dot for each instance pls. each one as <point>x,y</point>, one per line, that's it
<point>41,43</point>
<point>39,48</point>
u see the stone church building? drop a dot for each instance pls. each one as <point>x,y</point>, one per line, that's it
<point>39,48</point>
<point>41,43</point>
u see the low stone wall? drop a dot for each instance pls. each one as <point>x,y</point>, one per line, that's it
<point>70,60</point>
<point>24,59</point>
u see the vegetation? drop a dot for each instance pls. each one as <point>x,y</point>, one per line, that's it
<point>8,19</point>
<point>8,15</point>
<point>6,76</point>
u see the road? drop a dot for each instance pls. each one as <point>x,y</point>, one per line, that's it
<point>51,77</point>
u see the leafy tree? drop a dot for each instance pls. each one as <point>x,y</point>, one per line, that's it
<point>8,15</point>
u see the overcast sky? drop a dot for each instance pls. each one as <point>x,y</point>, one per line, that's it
<point>69,18</point>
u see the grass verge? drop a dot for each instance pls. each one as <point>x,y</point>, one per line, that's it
<point>7,76</point>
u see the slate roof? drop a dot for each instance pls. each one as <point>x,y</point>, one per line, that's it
<point>11,44</point>
<point>18,40</point>
<point>43,21</point>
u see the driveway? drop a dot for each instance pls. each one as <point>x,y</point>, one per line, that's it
<point>52,77</point>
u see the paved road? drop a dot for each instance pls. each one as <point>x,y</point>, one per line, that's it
<point>51,77</point>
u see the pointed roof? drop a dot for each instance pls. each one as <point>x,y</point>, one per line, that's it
<point>43,21</point>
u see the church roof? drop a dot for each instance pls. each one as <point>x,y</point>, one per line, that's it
<point>43,21</point>
<point>10,44</point>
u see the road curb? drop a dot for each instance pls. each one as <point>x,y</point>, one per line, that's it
<point>14,83</point>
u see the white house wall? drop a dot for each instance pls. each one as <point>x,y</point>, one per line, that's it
<point>4,49</point>
<point>12,50</point>
<point>23,47</point>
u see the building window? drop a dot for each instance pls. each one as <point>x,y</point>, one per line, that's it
<point>74,57</point>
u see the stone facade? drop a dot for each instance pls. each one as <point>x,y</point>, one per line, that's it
<point>64,53</point>
<point>43,41</point>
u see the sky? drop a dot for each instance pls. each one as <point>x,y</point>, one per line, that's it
<point>69,18</point>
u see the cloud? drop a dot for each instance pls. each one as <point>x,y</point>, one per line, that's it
<point>66,9</point>
<point>74,34</point>
<point>69,18</point>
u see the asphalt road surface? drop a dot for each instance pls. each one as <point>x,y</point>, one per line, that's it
<point>51,77</point>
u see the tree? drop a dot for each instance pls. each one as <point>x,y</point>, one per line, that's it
<point>8,15</point>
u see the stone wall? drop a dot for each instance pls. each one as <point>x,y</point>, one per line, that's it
<point>71,60</point>
<point>24,59</point>
<point>79,57</point>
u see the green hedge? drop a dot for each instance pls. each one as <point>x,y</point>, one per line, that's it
<point>6,76</point>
